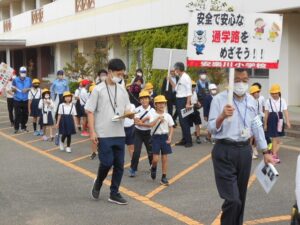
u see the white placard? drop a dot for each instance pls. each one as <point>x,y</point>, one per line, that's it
<point>234,40</point>
<point>267,175</point>
<point>161,57</point>
<point>6,73</point>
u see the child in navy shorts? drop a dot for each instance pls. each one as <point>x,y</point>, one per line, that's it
<point>162,132</point>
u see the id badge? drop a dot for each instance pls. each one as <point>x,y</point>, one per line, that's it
<point>115,118</point>
<point>245,133</point>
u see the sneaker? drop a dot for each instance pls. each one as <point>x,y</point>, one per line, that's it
<point>180,143</point>
<point>198,140</point>
<point>85,134</point>
<point>188,145</point>
<point>118,199</point>
<point>61,146</point>
<point>164,181</point>
<point>24,130</point>
<point>132,173</point>
<point>153,173</point>
<point>68,150</point>
<point>93,155</point>
<point>36,133</point>
<point>94,192</point>
<point>45,138</point>
<point>41,133</point>
<point>16,131</point>
<point>254,156</point>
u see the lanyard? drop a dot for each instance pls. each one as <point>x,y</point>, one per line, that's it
<point>113,105</point>
<point>240,114</point>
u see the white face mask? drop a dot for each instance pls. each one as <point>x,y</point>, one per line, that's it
<point>240,88</point>
<point>47,96</point>
<point>213,92</point>
<point>203,76</point>
<point>103,78</point>
<point>13,77</point>
<point>139,74</point>
<point>116,79</point>
<point>22,75</point>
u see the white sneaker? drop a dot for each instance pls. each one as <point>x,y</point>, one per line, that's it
<point>61,146</point>
<point>68,149</point>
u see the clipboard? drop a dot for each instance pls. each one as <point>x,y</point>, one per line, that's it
<point>117,118</point>
<point>186,112</point>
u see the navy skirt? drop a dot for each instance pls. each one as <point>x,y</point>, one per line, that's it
<point>35,111</point>
<point>272,125</point>
<point>66,125</point>
<point>195,118</point>
<point>50,121</point>
<point>129,135</point>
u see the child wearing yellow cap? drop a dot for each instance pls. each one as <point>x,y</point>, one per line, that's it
<point>66,121</point>
<point>275,111</point>
<point>142,131</point>
<point>162,132</point>
<point>34,96</point>
<point>46,105</point>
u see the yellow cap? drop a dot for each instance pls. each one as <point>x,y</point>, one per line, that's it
<point>194,83</point>
<point>79,80</point>
<point>45,90</point>
<point>36,81</point>
<point>144,94</point>
<point>275,88</point>
<point>160,98</point>
<point>148,86</point>
<point>254,89</point>
<point>67,93</point>
<point>91,88</point>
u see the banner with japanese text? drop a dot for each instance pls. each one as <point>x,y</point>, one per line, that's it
<point>6,73</point>
<point>234,40</point>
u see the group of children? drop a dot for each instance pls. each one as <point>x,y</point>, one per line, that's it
<point>272,112</point>
<point>42,109</point>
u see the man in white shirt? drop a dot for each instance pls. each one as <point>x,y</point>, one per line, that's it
<point>108,101</point>
<point>183,101</point>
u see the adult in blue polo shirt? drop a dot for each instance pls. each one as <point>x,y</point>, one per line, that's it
<point>21,86</point>
<point>58,87</point>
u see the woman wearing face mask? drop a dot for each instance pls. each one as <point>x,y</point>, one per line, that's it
<point>275,108</point>
<point>139,77</point>
<point>46,105</point>
<point>101,76</point>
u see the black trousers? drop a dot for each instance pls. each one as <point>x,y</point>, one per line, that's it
<point>140,137</point>
<point>21,114</point>
<point>232,166</point>
<point>184,122</point>
<point>170,105</point>
<point>10,108</point>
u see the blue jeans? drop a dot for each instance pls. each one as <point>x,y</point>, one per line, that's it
<point>111,153</point>
<point>184,122</point>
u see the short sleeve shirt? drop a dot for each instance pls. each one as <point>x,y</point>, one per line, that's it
<point>184,86</point>
<point>67,109</point>
<point>164,126</point>
<point>276,105</point>
<point>100,104</point>
<point>141,112</point>
<point>34,93</point>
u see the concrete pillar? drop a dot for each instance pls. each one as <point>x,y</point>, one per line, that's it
<point>8,57</point>
<point>15,8</point>
<point>39,63</point>
<point>11,11</point>
<point>38,4</point>
<point>62,55</point>
<point>23,6</point>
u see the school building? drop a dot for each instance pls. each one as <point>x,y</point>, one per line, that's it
<point>42,34</point>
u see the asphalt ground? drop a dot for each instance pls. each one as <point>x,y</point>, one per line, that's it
<point>40,185</point>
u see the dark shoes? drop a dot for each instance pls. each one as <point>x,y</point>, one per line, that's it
<point>188,145</point>
<point>153,173</point>
<point>117,199</point>
<point>95,192</point>
<point>164,181</point>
